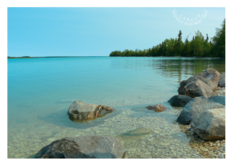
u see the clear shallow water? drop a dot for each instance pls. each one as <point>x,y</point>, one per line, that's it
<point>41,90</point>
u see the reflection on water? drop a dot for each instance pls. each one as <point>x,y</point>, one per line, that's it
<point>179,68</point>
<point>40,92</point>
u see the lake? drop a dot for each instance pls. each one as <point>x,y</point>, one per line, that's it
<point>40,91</point>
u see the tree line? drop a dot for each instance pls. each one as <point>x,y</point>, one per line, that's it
<point>198,46</point>
<point>22,57</point>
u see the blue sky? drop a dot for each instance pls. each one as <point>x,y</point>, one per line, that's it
<point>98,31</point>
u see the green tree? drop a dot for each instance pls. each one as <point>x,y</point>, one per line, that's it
<point>219,41</point>
<point>179,44</point>
<point>198,44</point>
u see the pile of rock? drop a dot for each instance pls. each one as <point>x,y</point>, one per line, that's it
<point>209,149</point>
<point>202,110</point>
<point>84,146</point>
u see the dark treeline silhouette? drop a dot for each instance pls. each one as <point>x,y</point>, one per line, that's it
<point>23,57</point>
<point>199,46</point>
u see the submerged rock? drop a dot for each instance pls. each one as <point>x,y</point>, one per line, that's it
<point>135,134</point>
<point>195,107</point>
<point>83,147</point>
<point>179,100</point>
<point>158,107</point>
<point>81,111</point>
<point>210,124</point>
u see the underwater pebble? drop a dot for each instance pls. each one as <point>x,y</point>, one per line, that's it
<point>166,140</point>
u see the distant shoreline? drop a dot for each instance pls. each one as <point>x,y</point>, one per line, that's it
<point>171,57</point>
<point>28,57</point>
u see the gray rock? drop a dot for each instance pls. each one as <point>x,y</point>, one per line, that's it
<point>222,80</point>
<point>179,100</point>
<point>81,111</point>
<point>218,99</point>
<point>83,147</point>
<point>195,78</point>
<point>195,107</point>
<point>210,124</point>
<point>224,147</point>
<point>195,88</point>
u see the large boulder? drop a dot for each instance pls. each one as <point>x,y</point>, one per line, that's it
<point>195,88</point>
<point>210,124</point>
<point>218,99</point>
<point>195,78</point>
<point>222,80</point>
<point>210,78</point>
<point>81,111</point>
<point>195,107</point>
<point>179,100</point>
<point>83,147</point>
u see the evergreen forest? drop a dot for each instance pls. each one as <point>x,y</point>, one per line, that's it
<point>198,46</point>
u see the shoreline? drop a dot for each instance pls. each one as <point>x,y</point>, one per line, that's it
<point>172,57</point>
<point>114,56</point>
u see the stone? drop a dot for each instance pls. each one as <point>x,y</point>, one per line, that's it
<point>83,147</point>
<point>135,134</point>
<point>222,80</point>
<point>158,107</point>
<point>223,141</point>
<point>179,100</point>
<point>218,99</point>
<point>196,88</point>
<point>81,111</point>
<point>195,78</point>
<point>221,156</point>
<point>195,107</point>
<point>225,148</point>
<point>210,124</point>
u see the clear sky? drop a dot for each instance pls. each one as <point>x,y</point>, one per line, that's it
<point>98,31</point>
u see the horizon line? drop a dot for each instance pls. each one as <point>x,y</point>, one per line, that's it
<point>51,56</point>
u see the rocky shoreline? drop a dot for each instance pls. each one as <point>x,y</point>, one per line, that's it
<point>209,149</point>
<point>203,98</point>
<point>203,118</point>
<point>214,148</point>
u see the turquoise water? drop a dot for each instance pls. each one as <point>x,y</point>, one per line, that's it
<point>41,90</point>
